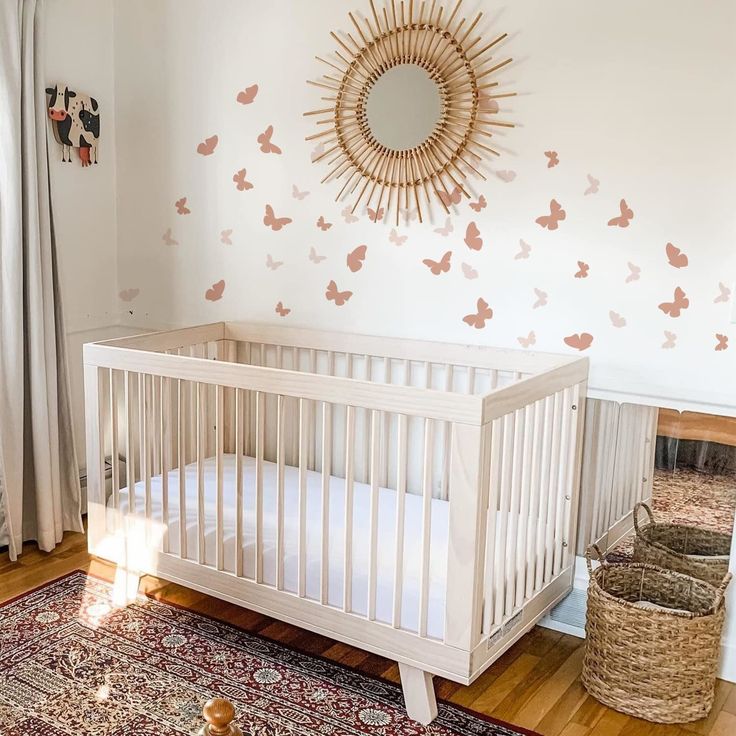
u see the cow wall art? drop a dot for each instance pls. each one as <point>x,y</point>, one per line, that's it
<point>75,119</point>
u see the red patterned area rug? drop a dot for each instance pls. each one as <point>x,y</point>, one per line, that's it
<point>71,664</point>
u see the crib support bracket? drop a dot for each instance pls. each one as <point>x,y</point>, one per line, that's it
<point>419,696</point>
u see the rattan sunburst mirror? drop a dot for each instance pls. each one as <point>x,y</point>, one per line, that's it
<point>410,116</point>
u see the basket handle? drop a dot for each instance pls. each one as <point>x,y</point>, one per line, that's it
<point>593,549</point>
<point>642,505</point>
<point>721,591</point>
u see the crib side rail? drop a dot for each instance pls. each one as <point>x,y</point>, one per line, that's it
<point>176,494</point>
<point>513,506</point>
<point>408,400</point>
<point>533,476</point>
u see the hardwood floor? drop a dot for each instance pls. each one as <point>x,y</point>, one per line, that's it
<point>536,684</point>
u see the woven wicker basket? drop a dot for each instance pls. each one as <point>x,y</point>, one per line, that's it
<point>687,549</point>
<point>651,663</point>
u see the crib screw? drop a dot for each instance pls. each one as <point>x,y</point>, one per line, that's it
<point>567,498</point>
<point>564,544</point>
<point>574,407</point>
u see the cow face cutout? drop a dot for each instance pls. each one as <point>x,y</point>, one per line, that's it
<point>75,121</point>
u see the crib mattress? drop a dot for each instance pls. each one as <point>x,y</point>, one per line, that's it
<point>386,532</point>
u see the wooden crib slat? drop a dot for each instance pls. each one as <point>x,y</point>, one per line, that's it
<point>129,442</point>
<point>201,437</point>
<point>447,431</point>
<point>544,489</point>
<point>401,461</point>
<point>524,503</point>
<point>514,507</point>
<point>573,462</point>
<point>220,429</point>
<point>246,445</point>
<point>492,574</point>
<point>240,402</point>
<point>471,379</point>
<point>386,430</point>
<point>143,445</point>
<point>155,414</point>
<point>312,405</point>
<point>347,602</point>
<point>181,416</point>
<point>534,460</point>
<point>280,463</point>
<point>564,492</point>
<point>302,533</point>
<point>507,454</point>
<point>114,451</point>
<point>554,473</point>
<point>374,451</point>
<point>426,525</point>
<point>325,525</point>
<point>164,398</point>
<point>293,414</point>
<point>260,441</point>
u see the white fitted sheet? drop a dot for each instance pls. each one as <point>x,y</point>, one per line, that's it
<point>361,536</point>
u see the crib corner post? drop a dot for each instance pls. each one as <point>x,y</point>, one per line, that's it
<point>468,491</point>
<point>419,695</point>
<point>95,452</point>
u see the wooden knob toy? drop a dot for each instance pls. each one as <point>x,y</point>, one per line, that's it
<point>219,714</point>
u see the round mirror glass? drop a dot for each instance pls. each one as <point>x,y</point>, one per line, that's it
<point>403,107</point>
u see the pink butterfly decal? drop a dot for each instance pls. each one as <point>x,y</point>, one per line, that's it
<point>240,183</point>
<point>168,238</point>
<point>528,341</point>
<point>552,159</point>
<point>634,272</point>
<point>579,341</point>
<point>670,341</point>
<point>273,265</point>
<point>347,213</point>
<point>593,185</point>
<point>525,250</point>
<point>297,194</point>
<point>225,237</point>
<point>246,96</point>
<point>469,272</point>
<point>265,140</point>
<point>127,295</point>
<point>214,293</point>
<point>626,216</point>
<point>482,314</point>
<point>315,257</point>
<point>616,319</point>
<point>207,146</point>
<point>446,230</point>
<point>541,299</point>
<point>724,293</point>
<point>396,239</point>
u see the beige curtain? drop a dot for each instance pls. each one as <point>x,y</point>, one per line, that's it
<point>39,477</point>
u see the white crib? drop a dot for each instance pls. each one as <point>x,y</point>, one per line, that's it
<point>415,499</point>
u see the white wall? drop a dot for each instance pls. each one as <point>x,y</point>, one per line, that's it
<point>639,96</point>
<point>79,52</point>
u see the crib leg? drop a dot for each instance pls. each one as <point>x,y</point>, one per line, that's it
<point>419,697</point>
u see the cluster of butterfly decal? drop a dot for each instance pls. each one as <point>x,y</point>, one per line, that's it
<point>473,240</point>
